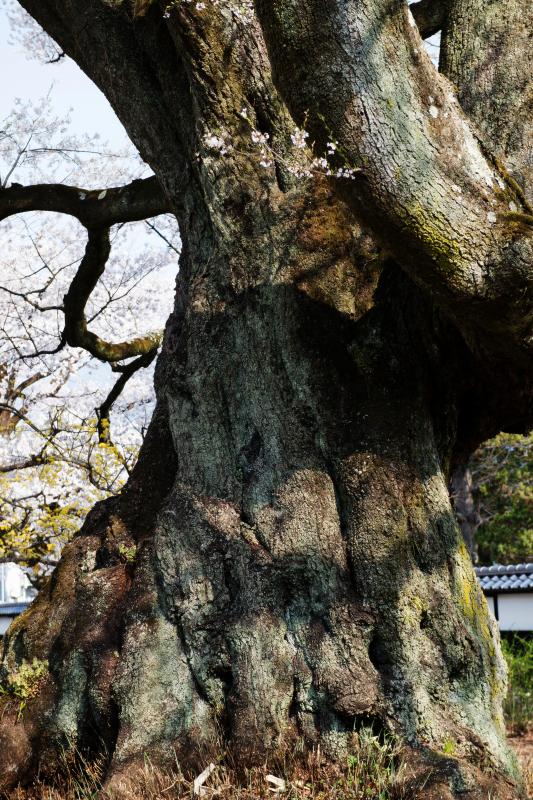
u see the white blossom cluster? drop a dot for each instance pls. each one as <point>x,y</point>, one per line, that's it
<point>36,145</point>
<point>318,165</point>
<point>242,11</point>
<point>266,159</point>
<point>27,32</point>
<point>217,143</point>
<point>300,163</point>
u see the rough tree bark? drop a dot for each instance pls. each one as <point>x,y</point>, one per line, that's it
<point>465,507</point>
<point>299,571</point>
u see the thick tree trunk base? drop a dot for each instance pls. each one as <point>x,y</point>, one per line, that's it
<point>121,682</point>
<point>317,583</point>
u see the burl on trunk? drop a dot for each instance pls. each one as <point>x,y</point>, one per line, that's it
<point>338,345</point>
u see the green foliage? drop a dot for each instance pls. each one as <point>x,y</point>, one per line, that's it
<point>128,554</point>
<point>24,683</point>
<point>502,470</point>
<point>518,652</point>
<point>449,747</point>
<point>42,508</point>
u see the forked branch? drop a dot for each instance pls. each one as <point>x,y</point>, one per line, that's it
<point>450,216</point>
<point>97,211</point>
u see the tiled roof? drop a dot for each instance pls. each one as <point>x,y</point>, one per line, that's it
<point>12,609</point>
<point>506,578</point>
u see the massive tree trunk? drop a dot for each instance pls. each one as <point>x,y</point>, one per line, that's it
<point>298,571</point>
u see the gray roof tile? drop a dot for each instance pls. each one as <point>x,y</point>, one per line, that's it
<point>12,609</point>
<point>506,577</point>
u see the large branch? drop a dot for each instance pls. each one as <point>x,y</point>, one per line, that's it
<point>358,72</point>
<point>483,52</point>
<point>429,15</point>
<point>138,200</point>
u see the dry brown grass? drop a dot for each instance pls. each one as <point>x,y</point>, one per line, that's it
<point>524,748</point>
<point>368,774</point>
<point>528,776</point>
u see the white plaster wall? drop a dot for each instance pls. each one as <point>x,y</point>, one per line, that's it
<point>5,622</point>
<point>14,584</point>
<point>515,611</point>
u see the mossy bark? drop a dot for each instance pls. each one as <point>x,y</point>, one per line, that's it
<point>298,572</point>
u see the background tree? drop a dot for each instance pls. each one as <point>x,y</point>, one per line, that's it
<point>502,471</point>
<point>492,498</point>
<point>350,289</point>
<point>57,453</point>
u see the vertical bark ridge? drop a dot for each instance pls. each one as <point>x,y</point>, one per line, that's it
<point>486,48</point>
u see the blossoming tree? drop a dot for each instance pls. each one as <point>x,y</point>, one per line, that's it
<point>58,453</point>
<point>353,315</point>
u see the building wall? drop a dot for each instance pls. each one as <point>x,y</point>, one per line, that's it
<point>14,585</point>
<point>15,592</point>
<point>515,611</point>
<point>5,622</point>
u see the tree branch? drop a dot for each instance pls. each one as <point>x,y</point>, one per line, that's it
<point>138,200</point>
<point>104,435</point>
<point>14,392</point>
<point>76,332</point>
<point>429,16</point>
<point>23,463</point>
<point>16,412</point>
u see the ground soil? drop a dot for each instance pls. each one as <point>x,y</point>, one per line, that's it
<point>524,747</point>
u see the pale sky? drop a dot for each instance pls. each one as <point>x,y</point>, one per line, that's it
<point>30,80</point>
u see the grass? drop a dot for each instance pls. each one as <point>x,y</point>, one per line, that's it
<point>368,773</point>
<point>518,651</point>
